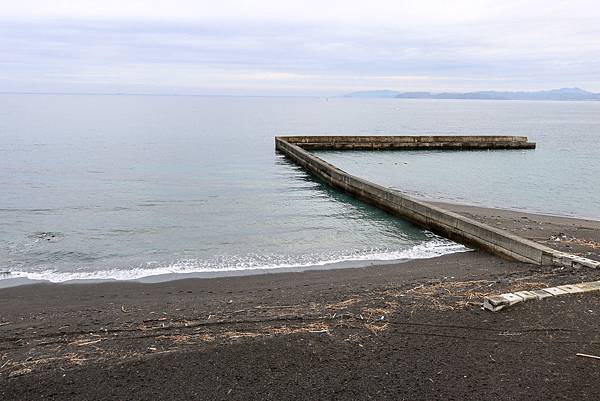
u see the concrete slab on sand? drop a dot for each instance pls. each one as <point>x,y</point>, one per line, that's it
<point>496,303</point>
<point>526,295</point>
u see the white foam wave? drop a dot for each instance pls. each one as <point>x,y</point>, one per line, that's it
<point>433,248</point>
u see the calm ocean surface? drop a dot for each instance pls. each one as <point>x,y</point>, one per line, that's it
<point>131,186</point>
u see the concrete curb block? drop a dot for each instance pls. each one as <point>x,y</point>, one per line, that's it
<point>495,303</point>
<point>568,260</point>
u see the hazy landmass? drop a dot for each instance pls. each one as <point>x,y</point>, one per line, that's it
<point>554,94</point>
<point>376,93</point>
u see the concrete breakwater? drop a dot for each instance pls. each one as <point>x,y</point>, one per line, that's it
<point>408,142</point>
<point>440,221</point>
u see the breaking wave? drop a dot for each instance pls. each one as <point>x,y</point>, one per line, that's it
<point>251,262</point>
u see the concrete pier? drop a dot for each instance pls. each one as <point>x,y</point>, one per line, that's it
<point>409,142</point>
<point>436,219</point>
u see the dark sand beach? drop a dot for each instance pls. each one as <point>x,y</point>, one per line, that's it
<point>412,331</point>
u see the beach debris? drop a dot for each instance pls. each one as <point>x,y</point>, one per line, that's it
<point>510,333</point>
<point>5,323</point>
<point>123,309</point>
<point>19,372</point>
<point>496,303</point>
<point>562,237</point>
<point>81,344</point>
<point>574,241</point>
<point>343,304</point>
<point>588,356</point>
<point>558,237</point>
<point>277,306</point>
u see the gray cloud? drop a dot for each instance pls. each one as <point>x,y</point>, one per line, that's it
<point>221,53</point>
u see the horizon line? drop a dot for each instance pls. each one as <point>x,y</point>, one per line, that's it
<point>340,95</point>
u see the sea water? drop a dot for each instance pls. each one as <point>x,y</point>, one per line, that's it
<point>122,187</point>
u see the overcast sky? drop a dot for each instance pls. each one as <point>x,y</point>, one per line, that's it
<point>317,47</point>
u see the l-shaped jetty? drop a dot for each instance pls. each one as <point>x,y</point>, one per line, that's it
<point>435,218</point>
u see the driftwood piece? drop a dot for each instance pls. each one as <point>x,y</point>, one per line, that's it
<point>588,356</point>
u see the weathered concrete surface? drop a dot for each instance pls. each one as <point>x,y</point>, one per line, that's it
<point>452,225</point>
<point>409,142</point>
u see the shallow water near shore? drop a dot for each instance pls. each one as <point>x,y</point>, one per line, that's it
<point>122,187</point>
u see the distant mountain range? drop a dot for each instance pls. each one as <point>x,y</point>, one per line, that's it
<point>554,94</point>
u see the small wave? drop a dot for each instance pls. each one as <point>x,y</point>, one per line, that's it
<point>429,249</point>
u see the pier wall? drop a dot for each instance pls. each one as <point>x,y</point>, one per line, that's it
<point>438,220</point>
<point>409,142</point>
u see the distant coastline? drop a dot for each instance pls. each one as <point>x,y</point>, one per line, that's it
<point>570,94</point>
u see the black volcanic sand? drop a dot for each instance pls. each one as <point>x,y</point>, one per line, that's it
<point>412,331</point>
